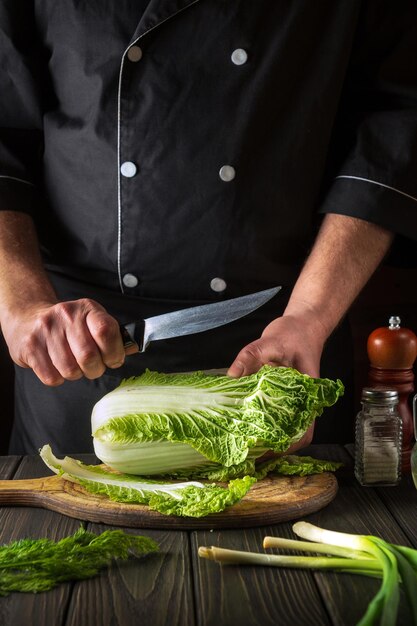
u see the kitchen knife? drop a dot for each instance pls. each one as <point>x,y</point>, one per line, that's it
<point>138,335</point>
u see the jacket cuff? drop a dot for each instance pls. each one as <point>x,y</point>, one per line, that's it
<point>17,195</point>
<point>373,201</point>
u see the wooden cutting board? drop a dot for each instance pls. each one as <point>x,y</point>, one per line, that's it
<point>269,501</point>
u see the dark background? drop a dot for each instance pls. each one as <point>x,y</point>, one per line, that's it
<point>391,291</point>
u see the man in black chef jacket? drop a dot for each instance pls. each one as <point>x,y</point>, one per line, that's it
<point>169,153</point>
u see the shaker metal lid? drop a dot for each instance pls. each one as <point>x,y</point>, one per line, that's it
<point>380,396</point>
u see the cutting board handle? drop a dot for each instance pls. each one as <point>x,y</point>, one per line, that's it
<point>28,491</point>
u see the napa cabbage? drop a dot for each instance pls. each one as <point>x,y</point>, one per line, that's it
<point>206,425</point>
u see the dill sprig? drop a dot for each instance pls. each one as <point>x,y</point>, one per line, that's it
<point>34,565</point>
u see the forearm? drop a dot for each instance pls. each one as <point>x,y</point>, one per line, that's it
<point>23,280</point>
<point>58,340</point>
<point>346,253</point>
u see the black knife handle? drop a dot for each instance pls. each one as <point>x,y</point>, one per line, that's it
<point>128,342</point>
<point>133,338</point>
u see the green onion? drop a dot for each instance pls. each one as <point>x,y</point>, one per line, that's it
<point>354,554</point>
<point>385,603</point>
<point>309,546</point>
<point>237,557</point>
<point>408,578</point>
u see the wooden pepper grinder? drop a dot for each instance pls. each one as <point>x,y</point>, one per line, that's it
<point>392,351</point>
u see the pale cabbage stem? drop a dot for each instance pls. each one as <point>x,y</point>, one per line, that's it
<point>110,406</point>
<point>71,470</point>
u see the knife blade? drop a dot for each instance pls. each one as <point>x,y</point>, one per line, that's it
<point>138,335</point>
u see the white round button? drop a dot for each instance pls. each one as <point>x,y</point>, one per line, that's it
<point>218,284</point>
<point>239,56</point>
<point>134,54</point>
<point>128,169</point>
<point>227,173</point>
<point>130,280</point>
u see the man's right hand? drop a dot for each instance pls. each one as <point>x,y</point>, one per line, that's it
<point>58,340</point>
<point>64,340</point>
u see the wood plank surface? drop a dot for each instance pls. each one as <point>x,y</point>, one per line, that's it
<point>155,590</point>
<point>358,510</point>
<point>16,523</point>
<point>179,588</point>
<point>8,466</point>
<point>252,595</point>
<point>259,595</point>
<point>401,501</point>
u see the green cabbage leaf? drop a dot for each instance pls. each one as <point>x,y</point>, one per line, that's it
<point>189,499</point>
<point>294,465</point>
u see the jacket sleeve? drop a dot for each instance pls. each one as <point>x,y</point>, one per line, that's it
<point>373,160</point>
<point>21,137</point>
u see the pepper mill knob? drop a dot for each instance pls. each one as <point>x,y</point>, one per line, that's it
<point>392,351</point>
<point>394,322</point>
<point>392,347</point>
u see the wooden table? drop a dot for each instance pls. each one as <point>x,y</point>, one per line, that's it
<point>175,587</point>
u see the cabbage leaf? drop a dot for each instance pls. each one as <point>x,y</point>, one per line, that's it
<point>294,465</point>
<point>190,499</point>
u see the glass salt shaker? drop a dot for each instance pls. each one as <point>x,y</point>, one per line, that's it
<point>414,451</point>
<point>378,439</point>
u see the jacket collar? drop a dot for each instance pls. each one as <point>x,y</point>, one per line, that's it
<point>157,12</point>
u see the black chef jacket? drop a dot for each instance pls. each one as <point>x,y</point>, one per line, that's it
<point>177,151</point>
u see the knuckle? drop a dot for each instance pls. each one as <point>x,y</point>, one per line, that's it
<point>84,301</point>
<point>65,311</point>
<point>96,372</point>
<point>43,324</point>
<point>103,328</point>
<point>29,351</point>
<point>29,345</point>
<point>71,373</point>
<point>88,305</point>
<point>252,351</point>
<point>87,357</point>
<point>87,302</point>
<point>114,363</point>
<point>51,380</point>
